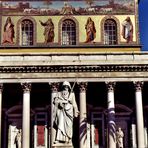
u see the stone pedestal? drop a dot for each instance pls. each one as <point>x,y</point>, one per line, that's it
<point>62,146</point>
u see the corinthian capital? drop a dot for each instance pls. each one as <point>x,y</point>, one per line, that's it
<point>26,87</point>
<point>138,85</point>
<point>1,87</point>
<point>110,86</point>
<point>54,86</point>
<point>82,86</point>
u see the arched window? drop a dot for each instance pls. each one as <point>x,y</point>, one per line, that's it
<point>110,32</point>
<point>68,32</point>
<point>26,32</point>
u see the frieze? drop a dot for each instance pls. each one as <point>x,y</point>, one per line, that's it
<point>71,7</point>
<point>73,68</point>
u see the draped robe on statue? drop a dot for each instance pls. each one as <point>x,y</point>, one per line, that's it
<point>65,109</point>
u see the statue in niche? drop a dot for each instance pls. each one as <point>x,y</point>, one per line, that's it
<point>127,30</point>
<point>18,139</point>
<point>8,34</point>
<point>65,109</point>
<point>90,30</point>
<point>48,30</point>
<point>119,138</point>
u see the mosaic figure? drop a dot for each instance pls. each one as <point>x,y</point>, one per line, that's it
<point>8,34</point>
<point>127,30</point>
<point>48,31</point>
<point>90,30</point>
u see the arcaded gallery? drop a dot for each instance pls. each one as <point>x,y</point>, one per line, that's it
<point>72,75</point>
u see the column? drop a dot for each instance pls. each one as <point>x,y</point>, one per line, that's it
<point>26,115</point>
<point>139,114</point>
<point>111,115</point>
<point>54,91</point>
<point>83,116</point>
<point>1,89</point>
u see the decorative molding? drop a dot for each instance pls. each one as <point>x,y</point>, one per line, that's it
<point>73,68</point>
<point>138,85</point>
<point>26,87</point>
<point>82,86</point>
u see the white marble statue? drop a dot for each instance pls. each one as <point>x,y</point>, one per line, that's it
<point>119,138</point>
<point>65,109</point>
<point>18,139</point>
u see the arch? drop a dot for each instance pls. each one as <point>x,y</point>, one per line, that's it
<point>76,29</point>
<point>116,22</point>
<point>123,109</point>
<point>33,31</point>
<point>17,109</point>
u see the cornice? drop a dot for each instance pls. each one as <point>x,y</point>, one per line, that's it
<point>74,68</point>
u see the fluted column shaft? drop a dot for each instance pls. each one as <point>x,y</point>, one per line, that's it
<point>26,115</point>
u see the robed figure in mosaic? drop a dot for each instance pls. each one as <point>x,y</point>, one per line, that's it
<point>8,34</point>
<point>127,30</point>
<point>65,109</point>
<point>90,30</point>
<point>48,30</point>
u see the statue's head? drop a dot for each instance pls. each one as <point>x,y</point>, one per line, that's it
<point>66,84</point>
<point>119,128</point>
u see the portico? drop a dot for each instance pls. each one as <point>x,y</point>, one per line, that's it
<point>104,92</point>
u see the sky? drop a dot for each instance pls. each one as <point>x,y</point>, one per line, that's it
<point>143,22</point>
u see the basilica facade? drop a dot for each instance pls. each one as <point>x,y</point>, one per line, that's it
<point>72,75</point>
